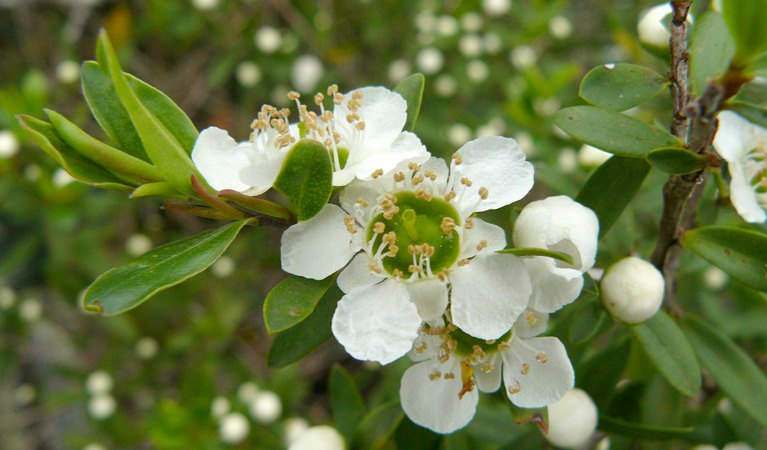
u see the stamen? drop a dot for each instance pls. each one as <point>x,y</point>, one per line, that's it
<point>483,193</point>
<point>542,358</point>
<point>457,158</point>
<point>319,98</point>
<point>466,181</point>
<point>423,193</point>
<point>467,376</point>
<point>463,262</point>
<point>377,173</point>
<point>515,389</point>
<point>530,317</point>
<point>362,202</point>
<point>482,244</point>
<point>449,196</point>
<point>442,274</point>
<point>449,376</point>
<point>468,224</point>
<point>375,267</point>
<point>434,375</point>
<point>525,368</point>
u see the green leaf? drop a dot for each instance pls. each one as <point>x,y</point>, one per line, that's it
<point>44,135</point>
<point>306,178</point>
<point>665,345</point>
<point>533,251</point>
<point>754,114</point>
<point>126,287</point>
<point>588,317</point>
<point>129,168</point>
<point>345,401</point>
<point>159,189</point>
<point>758,66</point>
<point>599,373</point>
<point>711,50</point>
<point>619,176</point>
<point>613,132</point>
<point>619,87</point>
<point>162,147</point>
<point>380,423</point>
<point>730,366</point>
<point>740,253</point>
<point>648,432</point>
<point>538,416</point>
<point>296,342</point>
<point>676,160</point>
<point>292,300</point>
<point>411,89</point>
<point>745,20</point>
<point>409,436</point>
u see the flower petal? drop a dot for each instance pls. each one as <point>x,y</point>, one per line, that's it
<point>531,324</point>
<point>261,174</point>
<point>427,346</point>
<point>357,274</point>
<point>735,136</point>
<point>405,149</point>
<point>493,235</point>
<point>359,190</point>
<point>318,247</point>
<point>553,287</point>
<point>743,196</point>
<point>488,294</point>
<point>538,369</point>
<point>384,113</point>
<point>377,322</point>
<point>429,296</point>
<point>433,402</point>
<point>496,163</point>
<point>488,374</point>
<point>219,159</point>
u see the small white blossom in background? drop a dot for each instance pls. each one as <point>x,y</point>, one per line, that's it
<point>24,394</point>
<point>632,290</point>
<point>470,45</point>
<point>102,406</point>
<point>306,72</point>
<point>429,60</point>
<point>525,141</point>
<point>522,57</point>
<point>572,420</point>
<point>495,127</point>
<point>279,95</point>
<point>447,25</point>
<point>445,86</point>
<point>138,244</point>
<point>744,146</point>
<point>94,446</point>
<point>715,278</point>
<point>99,382</point>
<point>426,21</point>
<point>247,392</point>
<point>322,437</point>
<point>234,428</point>
<point>477,71</point>
<point>30,309</point>
<point>567,161</point>
<point>458,134</point>
<point>398,70</point>
<point>7,297</point>
<point>205,5</point>
<point>294,427</point>
<point>61,178</point>
<point>472,22</point>
<point>268,39</point>
<point>223,267</point>
<point>496,7</point>
<point>32,172</point>
<point>590,157</point>
<point>729,446</point>
<point>219,407</point>
<point>9,144</point>
<point>147,347</point>
<point>547,107</point>
<point>653,26</point>
<point>265,407</point>
<point>68,71</point>
<point>560,27</point>
<point>248,74</point>
<point>492,42</point>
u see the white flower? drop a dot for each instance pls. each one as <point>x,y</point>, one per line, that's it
<point>219,407</point>
<point>439,392</point>
<point>265,407</point>
<point>293,428</point>
<point>102,406</point>
<point>248,74</point>
<point>430,60</point>
<point>138,244</point>
<point>496,7</point>
<point>68,71</point>
<point>632,290</point>
<point>572,420</point>
<point>322,437</point>
<point>409,236</point>
<point>268,39</point>
<point>560,27</point>
<point>147,347</point>
<point>744,146</point>
<point>99,382</point>
<point>306,72</point>
<point>363,134</point>
<point>560,224</point>
<point>234,428</point>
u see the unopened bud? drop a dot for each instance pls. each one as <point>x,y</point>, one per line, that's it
<point>632,290</point>
<point>572,420</point>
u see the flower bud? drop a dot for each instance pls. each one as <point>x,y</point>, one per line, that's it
<point>265,407</point>
<point>322,437</point>
<point>572,419</point>
<point>632,290</point>
<point>234,428</point>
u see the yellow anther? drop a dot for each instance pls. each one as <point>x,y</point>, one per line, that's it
<point>412,249</point>
<point>414,269</point>
<point>396,273</point>
<point>515,389</point>
<point>414,167</point>
<point>319,98</point>
<point>424,194</point>
<point>463,262</point>
<point>541,357</point>
<point>449,376</point>
<point>357,95</point>
<point>421,348</point>
<point>377,173</point>
<point>449,196</point>
<point>525,368</point>
<point>468,223</point>
<point>393,250</point>
<point>466,181</point>
<point>375,267</point>
<point>457,158</point>
<point>482,244</point>
<point>442,274</point>
<point>434,375</point>
<point>504,345</point>
<point>448,225</point>
<point>293,95</point>
<point>483,193</point>
<point>530,317</point>
<point>362,202</point>
<point>349,118</point>
<point>487,367</point>
<point>360,126</point>
<point>332,89</point>
<point>399,176</point>
<point>418,180</point>
<point>379,228</point>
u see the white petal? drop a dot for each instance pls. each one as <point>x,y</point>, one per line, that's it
<point>735,136</point>
<point>358,274</point>
<point>530,324</point>
<point>261,174</point>
<point>489,380</point>
<point>426,346</point>
<point>384,113</point>
<point>349,195</point>
<point>493,235</point>
<point>405,149</point>
<point>376,323</point>
<point>318,247</point>
<point>743,196</point>
<point>544,382</point>
<point>429,296</point>
<point>488,294</point>
<point>438,167</point>
<point>434,403</point>
<point>219,159</point>
<point>553,287</point>
<point>560,224</point>
<point>496,163</point>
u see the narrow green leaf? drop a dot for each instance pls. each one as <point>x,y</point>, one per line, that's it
<point>126,287</point>
<point>411,89</point>
<point>640,431</point>
<point>665,345</point>
<point>346,402</point>
<point>619,87</point>
<point>711,50</point>
<point>161,146</point>
<point>409,436</point>
<point>292,300</point>
<point>730,366</point>
<point>753,93</point>
<point>379,424</point>
<point>758,66</point>
<point>740,253</point>
<point>745,20</point>
<point>676,161</point>
<point>613,132</point>
<point>598,377</point>
<point>44,135</point>
<point>306,178</point>
<point>125,166</point>
<point>588,318</point>
<point>621,177</point>
<point>754,114</point>
<point>296,342</point>
<point>159,189</point>
<point>532,251</point>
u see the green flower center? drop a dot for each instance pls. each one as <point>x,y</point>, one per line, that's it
<point>418,231</point>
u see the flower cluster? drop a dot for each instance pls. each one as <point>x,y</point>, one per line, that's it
<point>420,273</point>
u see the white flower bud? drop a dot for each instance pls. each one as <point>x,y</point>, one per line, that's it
<point>632,290</point>
<point>430,60</point>
<point>102,406</point>
<point>523,56</point>
<point>219,407</point>
<point>477,71</point>
<point>234,428</point>
<point>138,244</point>
<point>458,134</point>
<point>293,428</point>
<point>30,309</point>
<point>68,71</point>
<point>9,144</point>
<point>323,437</point>
<point>470,45</point>
<point>7,297</point>
<point>306,72</point>
<point>471,22</point>
<point>223,267</point>
<point>205,5</point>
<point>398,69</point>
<point>99,382</point>
<point>248,73</point>
<point>268,39</point>
<point>445,85</point>
<point>146,347</point>
<point>247,392</point>
<point>567,162</point>
<point>265,407</point>
<point>560,27</point>
<point>496,7</point>
<point>62,178</point>
<point>447,25</point>
<point>572,419</point>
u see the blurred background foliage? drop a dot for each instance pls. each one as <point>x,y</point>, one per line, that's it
<point>490,70</point>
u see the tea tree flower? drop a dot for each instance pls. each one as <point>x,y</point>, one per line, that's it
<point>632,290</point>
<point>363,134</point>
<point>411,239</point>
<point>572,420</point>
<point>441,391</point>
<point>744,146</point>
<point>560,224</point>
